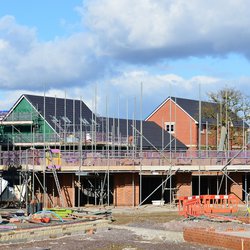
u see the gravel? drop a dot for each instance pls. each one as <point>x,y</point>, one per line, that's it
<point>132,229</point>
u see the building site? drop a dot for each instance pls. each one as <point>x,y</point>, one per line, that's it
<point>57,154</point>
<point>60,153</point>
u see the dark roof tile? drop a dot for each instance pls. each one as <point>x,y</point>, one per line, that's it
<point>59,107</point>
<point>150,130</point>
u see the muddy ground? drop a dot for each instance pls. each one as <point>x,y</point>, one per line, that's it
<point>132,229</point>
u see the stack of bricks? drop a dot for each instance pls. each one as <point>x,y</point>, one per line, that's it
<point>245,220</point>
<point>210,237</point>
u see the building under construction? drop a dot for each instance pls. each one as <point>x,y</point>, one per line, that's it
<point>57,152</point>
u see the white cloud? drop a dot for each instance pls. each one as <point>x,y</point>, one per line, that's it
<point>125,89</point>
<point>130,81</point>
<point>156,87</point>
<point>130,31</point>
<point>145,30</point>
<point>86,93</point>
<point>3,44</point>
<point>19,38</point>
<point>116,33</point>
<point>26,63</point>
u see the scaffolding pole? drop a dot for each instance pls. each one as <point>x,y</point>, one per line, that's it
<point>199,139</point>
<point>151,144</point>
<point>107,135</point>
<point>170,146</point>
<point>170,175</point>
<point>127,127</point>
<point>224,170</point>
<point>95,110</point>
<point>80,166</point>
<point>44,151</point>
<point>44,189</point>
<point>141,142</point>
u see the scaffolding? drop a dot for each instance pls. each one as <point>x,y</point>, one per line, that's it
<point>100,143</point>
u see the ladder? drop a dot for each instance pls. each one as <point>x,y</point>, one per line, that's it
<point>58,185</point>
<point>59,190</point>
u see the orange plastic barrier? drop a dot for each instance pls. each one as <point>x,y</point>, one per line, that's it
<point>207,204</point>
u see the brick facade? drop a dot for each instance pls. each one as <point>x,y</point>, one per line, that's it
<point>185,126</point>
<point>67,187</point>
<point>210,237</point>
<point>126,189</point>
<point>187,129</point>
<point>184,184</point>
<point>236,188</point>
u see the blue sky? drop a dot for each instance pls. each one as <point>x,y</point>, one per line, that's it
<point>49,18</point>
<point>75,47</point>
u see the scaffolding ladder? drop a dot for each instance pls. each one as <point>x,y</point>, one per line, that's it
<point>53,169</point>
<point>59,190</point>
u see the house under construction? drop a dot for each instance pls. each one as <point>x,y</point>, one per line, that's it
<point>62,154</point>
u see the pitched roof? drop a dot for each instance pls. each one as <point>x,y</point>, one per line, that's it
<point>60,108</point>
<point>150,130</point>
<point>191,107</point>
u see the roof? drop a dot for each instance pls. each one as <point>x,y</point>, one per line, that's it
<point>57,109</point>
<point>60,108</point>
<point>191,107</point>
<point>151,131</point>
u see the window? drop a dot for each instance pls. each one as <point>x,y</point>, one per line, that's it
<point>84,121</point>
<point>170,127</point>
<point>66,119</point>
<point>203,128</point>
<point>54,119</point>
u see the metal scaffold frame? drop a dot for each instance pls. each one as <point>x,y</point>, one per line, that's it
<point>113,147</point>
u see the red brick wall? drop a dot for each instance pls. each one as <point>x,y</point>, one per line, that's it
<point>183,122</point>
<point>183,184</point>
<point>67,187</point>
<point>236,188</point>
<point>209,138</point>
<point>125,193</point>
<point>235,137</point>
<point>211,238</point>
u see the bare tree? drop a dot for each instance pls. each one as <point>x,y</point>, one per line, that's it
<point>231,105</point>
<point>230,108</point>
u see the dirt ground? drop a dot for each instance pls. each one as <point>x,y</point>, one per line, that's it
<point>149,227</point>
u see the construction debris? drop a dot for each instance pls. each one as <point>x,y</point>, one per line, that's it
<point>17,219</point>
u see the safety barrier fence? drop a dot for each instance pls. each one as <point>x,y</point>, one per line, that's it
<point>207,204</point>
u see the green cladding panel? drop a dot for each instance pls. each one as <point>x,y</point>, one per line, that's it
<point>28,133</point>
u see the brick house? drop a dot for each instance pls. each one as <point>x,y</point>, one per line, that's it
<point>180,117</point>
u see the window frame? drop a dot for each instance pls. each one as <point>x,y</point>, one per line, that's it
<point>168,127</point>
